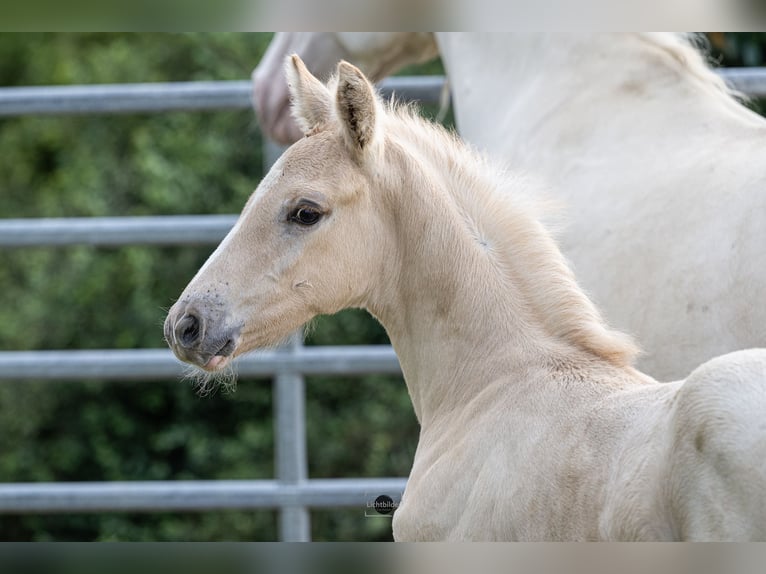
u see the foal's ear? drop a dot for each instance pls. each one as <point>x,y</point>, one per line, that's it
<point>356,103</point>
<point>311,100</point>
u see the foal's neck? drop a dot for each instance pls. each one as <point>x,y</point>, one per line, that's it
<point>480,291</point>
<point>443,314</point>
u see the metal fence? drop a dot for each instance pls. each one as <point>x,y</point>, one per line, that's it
<point>292,492</point>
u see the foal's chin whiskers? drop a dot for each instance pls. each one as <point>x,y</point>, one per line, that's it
<point>207,384</point>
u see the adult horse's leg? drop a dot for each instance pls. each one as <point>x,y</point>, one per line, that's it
<point>378,54</point>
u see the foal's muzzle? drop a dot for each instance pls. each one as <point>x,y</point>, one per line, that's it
<point>198,337</point>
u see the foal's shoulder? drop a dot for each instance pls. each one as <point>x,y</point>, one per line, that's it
<point>723,400</point>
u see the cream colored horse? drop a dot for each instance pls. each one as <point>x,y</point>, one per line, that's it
<point>534,424</point>
<point>662,172</point>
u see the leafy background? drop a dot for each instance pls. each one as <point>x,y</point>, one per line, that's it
<point>86,297</point>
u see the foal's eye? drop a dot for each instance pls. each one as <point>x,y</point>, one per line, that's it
<point>305,215</point>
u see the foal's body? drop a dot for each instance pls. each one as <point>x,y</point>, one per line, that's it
<point>614,457</point>
<point>534,424</point>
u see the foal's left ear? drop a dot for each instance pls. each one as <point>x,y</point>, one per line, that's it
<point>356,104</point>
<point>311,100</point>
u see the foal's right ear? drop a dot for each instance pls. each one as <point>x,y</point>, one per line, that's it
<point>311,100</point>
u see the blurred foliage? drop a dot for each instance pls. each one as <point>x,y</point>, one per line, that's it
<point>737,49</point>
<point>83,297</point>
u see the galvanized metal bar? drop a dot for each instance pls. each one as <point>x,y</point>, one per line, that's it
<point>159,97</point>
<point>750,81</point>
<point>290,444</point>
<point>153,364</point>
<point>192,495</point>
<point>289,403</point>
<point>423,89</point>
<point>271,153</point>
<point>124,98</point>
<point>114,231</point>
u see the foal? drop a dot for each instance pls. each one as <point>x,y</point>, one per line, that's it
<point>534,424</point>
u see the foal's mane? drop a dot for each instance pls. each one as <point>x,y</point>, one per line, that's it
<point>506,209</point>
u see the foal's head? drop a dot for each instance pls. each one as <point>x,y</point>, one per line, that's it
<point>308,241</point>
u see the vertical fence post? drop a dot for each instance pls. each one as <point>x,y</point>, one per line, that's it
<point>290,445</point>
<point>290,423</point>
<point>271,152</point>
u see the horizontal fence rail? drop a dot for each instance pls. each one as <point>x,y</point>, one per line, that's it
<point>193,495</point>
<point>237,94</point>
<point>750,81</point>
<point>157,97</point>
<point>153,364</point>
<point>115,231</point>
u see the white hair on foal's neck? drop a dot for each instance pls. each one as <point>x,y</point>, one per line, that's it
<point>507,208</point>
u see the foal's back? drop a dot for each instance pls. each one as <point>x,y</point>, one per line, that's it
<point>720,473</point>
<point>614,457</point>
<point>695,465</point>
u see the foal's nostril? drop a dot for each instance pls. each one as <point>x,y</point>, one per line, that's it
<point>188,330</point>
